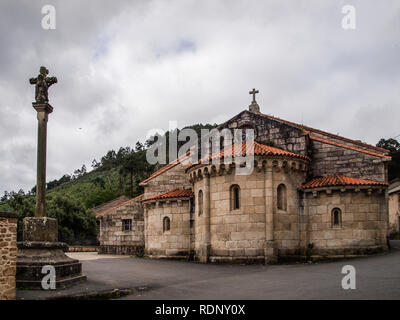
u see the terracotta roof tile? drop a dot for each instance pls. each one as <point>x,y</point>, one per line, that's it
<point>339,180</point>
<point>117,206</point>
<point>348,147</point>
<point>177,193</point>
<point>256,148</point>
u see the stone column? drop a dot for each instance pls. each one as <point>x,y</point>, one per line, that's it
<point>43,110</point>
<point>269,249</point>
<point>206,246</point>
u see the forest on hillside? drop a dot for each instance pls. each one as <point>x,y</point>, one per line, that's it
<point>71,198</point>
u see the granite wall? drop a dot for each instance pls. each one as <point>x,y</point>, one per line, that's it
<point>8,252</point>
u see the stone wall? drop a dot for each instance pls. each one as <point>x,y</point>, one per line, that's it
<point>8,252</point>
<point>267,130</point>
<point>169,180</point>
<point>176,241</point>
<point>113,239</point>
<point>394,212</point>
<point>329,159</point>
<point>241,235</point>
<point>363,227</point>
<point>237,234</point>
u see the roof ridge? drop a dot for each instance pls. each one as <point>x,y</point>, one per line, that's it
<point>360,143</point>
<point>166,167</point>
<point>117,206</point>
<point>341,180</point>
<point>349,147</point>
<point>175,193</point>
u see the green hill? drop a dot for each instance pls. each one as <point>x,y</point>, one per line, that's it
<point>71,198</point>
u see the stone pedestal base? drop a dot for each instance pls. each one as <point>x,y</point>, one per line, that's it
<point>40,248</point>
<point>33,256</point>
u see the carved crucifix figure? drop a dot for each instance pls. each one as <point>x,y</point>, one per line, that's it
<point>42,84</point>
<point>253,92</point>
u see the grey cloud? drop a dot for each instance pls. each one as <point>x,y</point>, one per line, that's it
<point>125,67</point>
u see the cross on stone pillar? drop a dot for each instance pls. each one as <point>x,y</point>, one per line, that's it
<point>43,108</point>
<point>39,246</point>
<point>254,107</point>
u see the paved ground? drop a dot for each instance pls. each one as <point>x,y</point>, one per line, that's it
<point>85,256</point>
<point>378,277</point>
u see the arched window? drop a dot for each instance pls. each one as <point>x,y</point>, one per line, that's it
<point>235,197</point>
<point>166,224</point>
<point>336,217</point>
<point>281,195</point>
<point>200,202</point>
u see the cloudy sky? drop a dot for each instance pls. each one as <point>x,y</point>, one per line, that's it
<point>126,67</point>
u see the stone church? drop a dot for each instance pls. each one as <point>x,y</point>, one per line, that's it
<point>312,194</point>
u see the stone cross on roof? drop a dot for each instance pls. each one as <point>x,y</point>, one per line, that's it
<point>254,92</point>
<point>254,106</point>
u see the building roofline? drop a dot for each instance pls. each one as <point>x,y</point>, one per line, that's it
<point>176,193</point>
<point>337,180</point>
<point>117,206</point>
<point>164,169</point>
<point>335,136</point>
<point>349,147</point>
<point>310,129</point>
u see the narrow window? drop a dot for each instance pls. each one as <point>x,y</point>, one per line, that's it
<point>336,217</point>
<point>192,207</point>
<point>200,202</point>
<point>126,224</point>
<point>235,197</point>
<point>281,194</point>
<point>166,224</point>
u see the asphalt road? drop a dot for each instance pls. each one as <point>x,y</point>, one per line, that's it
<point>377,277</point>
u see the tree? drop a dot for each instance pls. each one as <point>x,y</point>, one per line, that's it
<point>4,198</point>
<point>76,224</point>
<point>95,164</point>
<point>390,144</point>
<point>139,146</point>
<point>394,151</point>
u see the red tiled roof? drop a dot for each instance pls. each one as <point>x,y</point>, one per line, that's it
<point>117,206</point>
<point>348,147</point>
<point>338,180</point>
<point>165,168</point>
<point>177,193</point>
<point>335,136</point>
<point>258,149</point>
